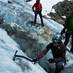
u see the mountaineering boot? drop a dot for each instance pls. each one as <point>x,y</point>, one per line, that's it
<point>42,25</point>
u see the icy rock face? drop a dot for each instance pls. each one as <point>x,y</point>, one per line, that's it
<point>61,9</point>
<point>32,39</point>
<point>22,1</point>
<point>16,24</point>
<point>14,13</point>
<point>6,54</point>
<point>7,49</point>
<point>28,0</point>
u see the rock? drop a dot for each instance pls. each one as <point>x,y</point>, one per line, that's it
<point>61,9</point>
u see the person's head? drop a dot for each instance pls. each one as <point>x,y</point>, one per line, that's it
<point>56,39</point>
<point>37,1</point>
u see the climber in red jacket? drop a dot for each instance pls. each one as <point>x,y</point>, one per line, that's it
<point>37,9</point>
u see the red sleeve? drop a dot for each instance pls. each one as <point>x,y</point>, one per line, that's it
<point>33,6</point>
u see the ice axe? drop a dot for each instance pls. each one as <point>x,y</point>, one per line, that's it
<point>20,56</point>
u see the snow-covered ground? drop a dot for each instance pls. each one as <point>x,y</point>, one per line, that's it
<point>7,50</point>
<point>4,0</point>
<point>15,13</point>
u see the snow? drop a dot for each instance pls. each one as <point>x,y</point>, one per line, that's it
<point>7,49</point>
<point>54,26</point>
<point>8,46</point>
<point>6,54</point>
<point>4,0</point>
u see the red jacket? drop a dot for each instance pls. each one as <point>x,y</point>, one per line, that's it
<point>58,51</point>
<point>37,7</point>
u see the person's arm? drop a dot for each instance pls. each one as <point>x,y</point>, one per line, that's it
<point>33,7</point>
<point>44,52</point>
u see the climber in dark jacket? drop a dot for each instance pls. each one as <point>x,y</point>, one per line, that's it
<point>37,9</point>
<point>59,54</point>
<point>68,29</point>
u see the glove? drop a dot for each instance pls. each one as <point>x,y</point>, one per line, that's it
<point>51,60</point>
<point>35,60</point>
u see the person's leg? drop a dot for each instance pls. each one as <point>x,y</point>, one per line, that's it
<point>35,18</point>
<point>67,36</point>
<point>59,67</point>
<point>63,31</point>
<point>72,44</point>
<point>40,14</point>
